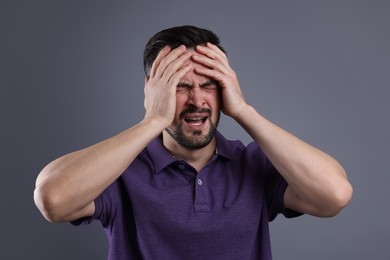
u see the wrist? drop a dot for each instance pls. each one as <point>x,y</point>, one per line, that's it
<point>156,122</point>
<point>243,112</point>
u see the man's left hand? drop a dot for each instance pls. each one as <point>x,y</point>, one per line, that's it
<point>217,67</point>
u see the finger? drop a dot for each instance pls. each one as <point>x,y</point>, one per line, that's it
<point>216,49</point>
<point>211,59</point>
<point>211,73</point>
<point>210,63</point>
<point>171,57</point>
<point>161,55</point>
<point>176,65</point>
<point>213,52</point>
<point>176,77</point>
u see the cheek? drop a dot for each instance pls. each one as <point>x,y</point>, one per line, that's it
<point>214,100</point>
<point>181,99</point>
<point>180,104</point>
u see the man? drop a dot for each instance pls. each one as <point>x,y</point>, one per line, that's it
<point>172,187</point>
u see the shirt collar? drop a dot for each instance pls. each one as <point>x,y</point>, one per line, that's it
<point>224,146</point>
<point>162,158</point>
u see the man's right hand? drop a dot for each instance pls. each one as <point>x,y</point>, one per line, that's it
<point>160,86</point>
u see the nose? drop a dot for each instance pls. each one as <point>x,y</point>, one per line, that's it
<point>196,97</point>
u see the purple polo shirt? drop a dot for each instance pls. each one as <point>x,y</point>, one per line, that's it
<point>161,208</point>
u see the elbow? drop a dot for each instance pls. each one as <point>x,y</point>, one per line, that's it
<point>339,200</point>
<point>48,203</point>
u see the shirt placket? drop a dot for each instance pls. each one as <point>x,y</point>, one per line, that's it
<point>200,185</point>
<point>202,198</point>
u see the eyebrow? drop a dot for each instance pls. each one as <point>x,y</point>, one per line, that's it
<point>184,84</point>
<point>208,83</point>
<point>205,84</point>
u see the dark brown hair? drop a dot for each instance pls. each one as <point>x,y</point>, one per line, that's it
<point>187,35</point>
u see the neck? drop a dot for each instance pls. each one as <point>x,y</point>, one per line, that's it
<point>197,158</point>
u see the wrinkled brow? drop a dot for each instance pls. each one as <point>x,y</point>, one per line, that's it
<point>189,85</point>
<point>208,83</point>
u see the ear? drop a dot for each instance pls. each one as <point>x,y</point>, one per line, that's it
<point>147,79</point>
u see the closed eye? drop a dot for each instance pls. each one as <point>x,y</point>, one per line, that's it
<point>183,87</point>
<point>209,85</point>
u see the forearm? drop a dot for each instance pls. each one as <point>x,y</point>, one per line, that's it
<point>73,181</point>
<point>316,179</point>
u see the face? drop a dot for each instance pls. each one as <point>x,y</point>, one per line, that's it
<point>197,110</point>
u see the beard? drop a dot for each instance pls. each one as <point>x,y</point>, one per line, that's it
<point>198,138</point>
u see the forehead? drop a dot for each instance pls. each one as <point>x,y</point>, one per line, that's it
<point>193,77</point>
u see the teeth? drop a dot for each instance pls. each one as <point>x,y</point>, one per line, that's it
<point>196,121</point>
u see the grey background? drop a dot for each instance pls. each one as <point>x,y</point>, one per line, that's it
<point>71,75</point>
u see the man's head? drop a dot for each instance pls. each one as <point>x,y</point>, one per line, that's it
<point>187,35</point>
<point>197,96</point>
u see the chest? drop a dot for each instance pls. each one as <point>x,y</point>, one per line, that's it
<point>222,199</point>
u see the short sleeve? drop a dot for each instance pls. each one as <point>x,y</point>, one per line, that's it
<point>105,207</point>
<point>275,187</point>
<point>96,216</point>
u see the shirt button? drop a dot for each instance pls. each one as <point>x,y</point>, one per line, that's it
<point>181,167</point>
<point>200,182</point>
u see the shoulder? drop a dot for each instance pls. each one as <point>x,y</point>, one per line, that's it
<point>228,148</point>
<point>234,149</point>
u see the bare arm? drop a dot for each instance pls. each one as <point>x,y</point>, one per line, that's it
<point>67,187</point>
<point>317,183</point>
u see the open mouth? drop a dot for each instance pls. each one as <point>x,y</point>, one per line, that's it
<point>195,121</point>
<point>195,117</point>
